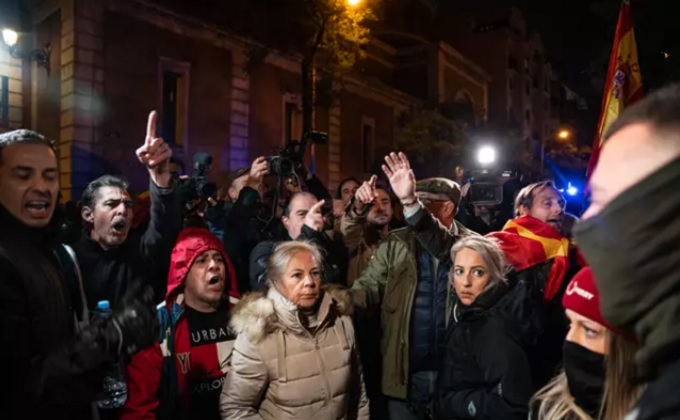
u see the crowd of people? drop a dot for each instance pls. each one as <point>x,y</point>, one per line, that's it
<point>380,302</point>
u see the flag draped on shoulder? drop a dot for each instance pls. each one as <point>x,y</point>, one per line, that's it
<point>527,241</point>
<point>623,85</point>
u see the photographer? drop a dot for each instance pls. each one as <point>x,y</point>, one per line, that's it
<point>242,230</point>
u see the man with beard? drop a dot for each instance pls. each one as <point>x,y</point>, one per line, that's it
<point>364,224</point>
<point>630,235</point>
<point>111,262</point>
<point>181,376</point>
<point>411,290</point>
<point>54,360</point>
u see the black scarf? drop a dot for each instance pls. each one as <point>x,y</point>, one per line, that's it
<point>633,246</point>
<point>585,372</point>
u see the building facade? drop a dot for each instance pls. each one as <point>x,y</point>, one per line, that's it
<point>112,62</point>
<point>496,37</point>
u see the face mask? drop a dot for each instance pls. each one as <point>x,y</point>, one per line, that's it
<point>633,247</point>
<point>585,377</point>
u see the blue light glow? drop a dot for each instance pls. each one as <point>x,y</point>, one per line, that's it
<point>571,190</point>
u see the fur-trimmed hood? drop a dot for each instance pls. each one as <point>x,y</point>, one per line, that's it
<point>259,314</point>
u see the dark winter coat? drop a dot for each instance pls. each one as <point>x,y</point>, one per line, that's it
<point>485,373</point>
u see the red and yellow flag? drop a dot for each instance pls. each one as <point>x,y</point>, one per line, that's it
<point>527,241</point>
<point>623,85</point>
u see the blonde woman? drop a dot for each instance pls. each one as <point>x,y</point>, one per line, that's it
<point>485,372</point>
<point>597,381</point>
<point>295,355</point>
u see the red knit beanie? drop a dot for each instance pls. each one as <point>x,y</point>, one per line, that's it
<point>583,298</point>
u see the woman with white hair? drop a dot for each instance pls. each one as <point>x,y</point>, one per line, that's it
<point>295,355</point>
<point>485,372</point>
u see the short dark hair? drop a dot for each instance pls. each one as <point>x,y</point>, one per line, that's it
<point>661,109</point>
<point>23,135</point>
<point>525,197</point>
<point>89,197</point>
<point>286,207</point>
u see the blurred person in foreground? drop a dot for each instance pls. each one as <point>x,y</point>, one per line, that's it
<point>630,235</point>
<point>56,359</point>
<point>295,355</point>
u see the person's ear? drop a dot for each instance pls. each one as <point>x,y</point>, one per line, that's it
<point>523,210</point>
<point>87,214</point>
<point>286,222</point>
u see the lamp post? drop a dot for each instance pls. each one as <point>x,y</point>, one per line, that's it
<point>41,56</point>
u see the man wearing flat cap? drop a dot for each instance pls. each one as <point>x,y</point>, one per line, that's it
<point>412,289</point>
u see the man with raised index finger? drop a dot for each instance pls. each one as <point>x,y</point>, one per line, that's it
<point>111,258</point>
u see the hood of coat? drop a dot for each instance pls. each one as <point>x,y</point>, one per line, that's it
<point>261,313</point>
<point>192,242</point>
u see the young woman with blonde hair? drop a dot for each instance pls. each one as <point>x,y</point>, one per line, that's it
<point>598,377</point>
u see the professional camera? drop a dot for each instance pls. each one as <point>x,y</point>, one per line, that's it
<point>287,163</point>
<point>289,160</point>
<point>198,186</point>
<point>282,164</point>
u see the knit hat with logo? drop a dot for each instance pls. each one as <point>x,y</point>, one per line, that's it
<point>583,297</point>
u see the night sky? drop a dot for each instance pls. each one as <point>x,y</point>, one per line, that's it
<point>578,36</point>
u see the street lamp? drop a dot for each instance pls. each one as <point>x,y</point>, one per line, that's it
<point>563,134</point>
<point>41,56</point>
<point>10,37</point>
<point>353,2</point>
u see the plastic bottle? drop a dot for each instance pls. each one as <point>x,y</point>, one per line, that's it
<point>114,387</point>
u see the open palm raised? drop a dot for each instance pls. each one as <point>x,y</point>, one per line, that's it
<point>402,179</point>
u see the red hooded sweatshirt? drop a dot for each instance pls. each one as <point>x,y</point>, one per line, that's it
<point>181,376</point>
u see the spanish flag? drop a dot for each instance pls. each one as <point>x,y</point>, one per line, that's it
<point>527,241</point>
<point>623,85</point>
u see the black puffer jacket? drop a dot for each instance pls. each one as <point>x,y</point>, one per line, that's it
<point>485,372</point>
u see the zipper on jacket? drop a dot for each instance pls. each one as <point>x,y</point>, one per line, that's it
<point>324,375</point>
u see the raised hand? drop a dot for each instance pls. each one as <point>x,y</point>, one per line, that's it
<point>155,154</point>
<point>258,170</point>
<point>314,218</point>
<point>365,194</point>
<point>402,179</point>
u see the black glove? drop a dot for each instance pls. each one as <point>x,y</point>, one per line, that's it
<point>134,325</point>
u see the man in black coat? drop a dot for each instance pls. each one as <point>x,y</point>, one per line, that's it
<point>54,360</point>
<point>113,261</point>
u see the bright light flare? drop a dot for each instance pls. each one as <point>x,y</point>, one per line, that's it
<point>564,134</point>
<point>10,37</point>
<point>353,2</point>
<point>486,155</point>
<point>571,190</point>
